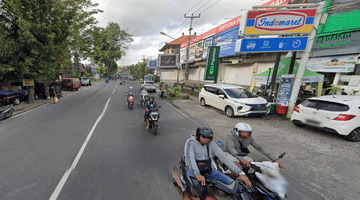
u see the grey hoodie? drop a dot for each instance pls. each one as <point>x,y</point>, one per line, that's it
<point>195,151</point>
<point>233,146</point>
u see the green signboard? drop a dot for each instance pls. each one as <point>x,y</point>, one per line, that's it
<point>212,64</point>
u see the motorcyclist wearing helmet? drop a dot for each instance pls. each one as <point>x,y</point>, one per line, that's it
<point>199,152</point>
<point>146,99</point>
<point>238,141</point>
<point>130,92</point>
<point>151,106</point>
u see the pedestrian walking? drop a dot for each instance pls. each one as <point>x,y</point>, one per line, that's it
<point>52,94</point>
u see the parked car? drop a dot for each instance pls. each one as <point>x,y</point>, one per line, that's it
<point>337,114</point>
<point>149,86</point>
<point>71,83</point>
<point>85,81</point>
<point>132,78</point>
<point>234,100</point>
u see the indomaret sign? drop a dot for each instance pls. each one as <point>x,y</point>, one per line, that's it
<point>277,22</point>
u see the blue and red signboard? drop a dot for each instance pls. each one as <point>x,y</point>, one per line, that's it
<point>277,22</point>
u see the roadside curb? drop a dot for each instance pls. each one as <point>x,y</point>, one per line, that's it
<point>36,106</point>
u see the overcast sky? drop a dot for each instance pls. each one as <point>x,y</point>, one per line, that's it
<point>146,18</point>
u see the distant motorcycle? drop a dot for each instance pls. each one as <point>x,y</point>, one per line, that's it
<point>143,94</point>
<point>6,111</point>
<point>120,81</point>
<point>106,81</point>
<point>153,121</point>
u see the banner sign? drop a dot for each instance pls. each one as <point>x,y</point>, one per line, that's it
<point>207,43</point>
<point>333,64</point>
<point>183,55</point>
<point>192,53</point>
<point>212,64</point>
<point>346,40</point>
<point>275,3</point>
<point>271,44</point>
<point>151,64</point>
<point>285,89</point>
<point>199,50</point>
<point>27,82</point>
<point>226,41</point>
<point>278,22</point>
<point>167,60</point>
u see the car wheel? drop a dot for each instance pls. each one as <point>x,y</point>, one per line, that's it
<point>297,124</point>
<point>203,102</point>
<point>354,136</point>
<point>229,111</point>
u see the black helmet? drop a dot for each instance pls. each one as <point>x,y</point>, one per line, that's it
<point>205,132</point>
<point>152,97</point>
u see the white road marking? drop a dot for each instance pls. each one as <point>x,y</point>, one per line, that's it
<point>113,91</point>
<point>66,175</point>
<point>182,113</point>
<point>116,85</point>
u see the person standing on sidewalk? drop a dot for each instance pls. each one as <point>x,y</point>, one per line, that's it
<point>52,94</point>
<point>237,142</point>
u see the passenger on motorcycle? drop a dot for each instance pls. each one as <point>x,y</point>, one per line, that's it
<point>130,92</point>
<point>144,106</point>
<point>151,106</point>
<point>199,153</point>
<point>237,142</point>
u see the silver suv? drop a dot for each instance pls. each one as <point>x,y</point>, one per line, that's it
<point>85,81</point>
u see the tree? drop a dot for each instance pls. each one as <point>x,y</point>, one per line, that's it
<point>110,44</point>
<point>33,35</point>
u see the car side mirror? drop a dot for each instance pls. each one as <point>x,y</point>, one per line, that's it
<point>222,96</point>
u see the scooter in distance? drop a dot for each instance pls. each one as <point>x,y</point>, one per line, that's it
<point>143,94</point>
<point>153,121</point>
<point>6,111</point>
<point>120,81</point>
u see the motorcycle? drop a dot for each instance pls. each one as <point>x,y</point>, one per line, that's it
<point>130,101</point>
<point>143,94</point>
<point>153,121</point>
<point>267,182</point>
<point>6,111</point>
<point>120,81</point>
<point>106,81</point>
<point>190,189</point>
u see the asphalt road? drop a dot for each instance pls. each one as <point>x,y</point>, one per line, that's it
<point>121,159</point>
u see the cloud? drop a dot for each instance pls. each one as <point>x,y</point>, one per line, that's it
<point>145,19</point>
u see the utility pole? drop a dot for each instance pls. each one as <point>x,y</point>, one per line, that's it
<point>186,74</point>
<point>304,60</point>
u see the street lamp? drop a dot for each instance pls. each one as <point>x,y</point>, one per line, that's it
<point>162,33</point>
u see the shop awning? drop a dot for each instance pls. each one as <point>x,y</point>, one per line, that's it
<point>284,65</point>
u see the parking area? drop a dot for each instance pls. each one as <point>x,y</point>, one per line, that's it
<point>325,163</point>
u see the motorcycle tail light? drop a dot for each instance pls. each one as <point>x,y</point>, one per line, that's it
<point>344,117</point>
<point>296,109</point>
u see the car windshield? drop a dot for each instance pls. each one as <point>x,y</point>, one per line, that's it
<point>84,79</point>
<point>240,93</point>
<point>149,83</point>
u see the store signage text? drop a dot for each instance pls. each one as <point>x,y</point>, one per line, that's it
<point>280,21</point>
<point>333,37</point>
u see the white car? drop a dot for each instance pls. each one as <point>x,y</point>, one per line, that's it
<point>149,86</point>
<point>337,114</point>
<point>234,100</point>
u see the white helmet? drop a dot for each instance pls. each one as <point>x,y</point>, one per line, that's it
<point>131,88</point>
<point>242,127</point>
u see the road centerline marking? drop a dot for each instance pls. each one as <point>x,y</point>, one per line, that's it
<point>66,175</point>
<point>113,91</point>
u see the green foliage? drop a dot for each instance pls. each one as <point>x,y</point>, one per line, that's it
<point>177,91</point>
<point>161,84</point>
<point>88,75</point>
<point>139,70</point>
<point>354,92</point>
<point>201,86</point>
<point>334,89</point>
<point>109,44</point>
<point>76,75</point>
<point>114,68</point>
<point>100,70</point>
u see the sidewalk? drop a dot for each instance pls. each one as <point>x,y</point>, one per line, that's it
<point>23,106</point>
<point>322,162</point>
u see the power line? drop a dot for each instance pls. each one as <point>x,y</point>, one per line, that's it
<point>202,6</point>
<point>210,6</point>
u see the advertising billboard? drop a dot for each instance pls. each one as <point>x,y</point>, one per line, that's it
<point>346,40</point>
<point>226,41</point>
<point>192,53</point>
<point>167,60</point>
<point>285,89</point>
<point>212,64</point>
<point>199,47</point>
<point>151,64</point>
<point>183,55</point>
<point>207,43</point>
<point>278,22</point>
<point>333,64</point>
<point>271,44</point>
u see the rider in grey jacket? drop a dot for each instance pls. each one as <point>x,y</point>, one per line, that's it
<point>199,158</point>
